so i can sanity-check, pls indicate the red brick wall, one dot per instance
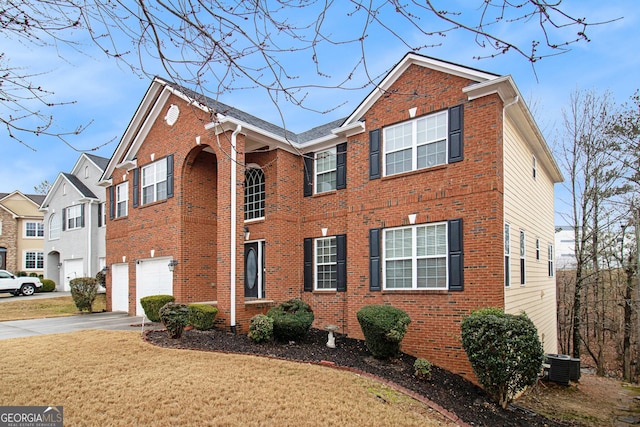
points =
(194, 226)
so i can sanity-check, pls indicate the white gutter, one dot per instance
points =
(233, 227)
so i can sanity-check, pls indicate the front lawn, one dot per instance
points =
(116, 378)
(41, 308)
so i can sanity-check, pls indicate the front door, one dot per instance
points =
(254, 270)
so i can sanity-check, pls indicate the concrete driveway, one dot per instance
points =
(54, 325)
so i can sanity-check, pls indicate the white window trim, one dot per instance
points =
(551, 262)
(125, 200)
(264, 195)
(331, 152)
(68, 217)
(24, 260)
(316, 264)
(38, 225)
(57, 229)
(103, 210)
(414, 143)
(153, 166)
(415, 257)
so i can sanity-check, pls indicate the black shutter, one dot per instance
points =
(374, 260)
(82, 215)
(341, 166)
(169, 176)
(455, 133)
(64, 219)
(308, 265)
(136, 193)
(99, 214)
(374, 154)
(308, 174)
(112, 202)
(456, 265)
(341, 252)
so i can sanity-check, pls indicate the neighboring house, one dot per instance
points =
(565, 248)
(21, 232)
(435, 196)
(75, 225)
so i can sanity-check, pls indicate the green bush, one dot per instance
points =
(291, 320)
(152, 304)
(504, 351)
(261, 328)
(84, 291)
(48, 285)
(383, 327)
(202, 316)
(21, 274)
(422, 368)
(174, 317)
(33, 274)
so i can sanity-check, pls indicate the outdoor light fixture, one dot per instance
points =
(172, 264)
(246, 233)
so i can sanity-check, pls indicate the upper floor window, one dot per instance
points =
(154, 182)
(122, 199)
(33, 229)
(326, 170)
(535, 167)
(54, 226)
(415, 257)
(33, 260)
(416, 144)
(254, 194)
(537, 249)
(74, 217)
(550, 254)
(102, 211)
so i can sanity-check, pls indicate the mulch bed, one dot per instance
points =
(450, 392)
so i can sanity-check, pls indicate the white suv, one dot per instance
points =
(18, 285)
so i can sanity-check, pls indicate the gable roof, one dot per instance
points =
(35, 198)
(80, 187)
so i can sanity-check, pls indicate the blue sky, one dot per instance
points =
(106, 94)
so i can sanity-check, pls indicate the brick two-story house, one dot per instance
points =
(435, 196)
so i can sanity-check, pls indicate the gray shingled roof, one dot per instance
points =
(101, 162)
(37, 198)
(226, 110)
(75, 181)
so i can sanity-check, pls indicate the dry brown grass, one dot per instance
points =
(115, 378)
(42, 308)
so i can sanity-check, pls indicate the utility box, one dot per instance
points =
(574, 369)
(559, 368)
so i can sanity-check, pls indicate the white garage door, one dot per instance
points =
(120, 287)
(72, 268)
(152, 278)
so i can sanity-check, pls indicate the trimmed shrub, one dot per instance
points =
(153, 303)
(422, 368)
(48, 285)
(21, 274)
(84, 291)
(291, 320)
(174, 317)
(261, 328)
(504, 350)
(202, 316)
(383, 327)
(33, 274)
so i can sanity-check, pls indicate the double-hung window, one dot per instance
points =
(417, 144)
(122, 199)
(415, 257)
(154, 182)
(550, 254)
(33, 260)
(326, 170)
(33, 229)
(326, 263)
(74, 217)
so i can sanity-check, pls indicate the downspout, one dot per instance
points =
(233, 227)
(89, 239)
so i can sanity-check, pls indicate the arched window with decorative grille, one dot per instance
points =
(253, 193)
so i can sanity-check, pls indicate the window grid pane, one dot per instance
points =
(326, 166)
(326, 263)
(154, 182)
(122, 198)
(254, 194)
